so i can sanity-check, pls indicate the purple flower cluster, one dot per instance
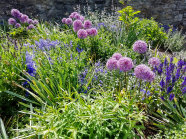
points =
(125, 64)
(46, 45)
(80, 26)
(22, 19)
(154, 62)
(118, 62)
(112, 64)
(140, 47)
(173, 73)
(143, 72)
(30, 64)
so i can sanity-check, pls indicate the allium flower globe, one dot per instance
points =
(35, 22)
(82, 34)
(154, 62)
(143, 72)
(16, 13)
(24, 18)
(30, 21)
(73, 14)
(87, 24)
(77, 25)
(63, 20)
(17, 25)
(11, 21)
(77, 16)
(125, 64)
(112, 64)
(68, 21)
(89, 33)
(140, 47)
(117, 56)
(93, 32)
(31, 26)
(82, 18)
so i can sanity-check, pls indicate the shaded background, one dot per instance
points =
(164, 11)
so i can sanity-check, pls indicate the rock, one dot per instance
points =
(164, 11)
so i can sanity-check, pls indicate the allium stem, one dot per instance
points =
(139, 86)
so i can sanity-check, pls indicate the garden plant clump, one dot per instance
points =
(91, 76)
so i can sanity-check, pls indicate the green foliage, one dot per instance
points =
(128, 16)
(19, 33)
(2, 130)
(175, 42)
(136, 29)
(149, 30)
(103, 117)
(70, 96)
(172, 134)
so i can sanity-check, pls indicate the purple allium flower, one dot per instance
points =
(87, 24)
(89, 32)
(93, 31)
(63, 20)
(169, 89)
(23, 18)
(162, 84)
(184, 90)
(73, 14)
(35, 22)
(82, 34)
(143, 72)
(31, 26)
(112, 64)
(125, 64)
(77, 16)
(17, 25)
(117, 56)
(11, 21)
(82, 18)
(171, 97)
(16, 13)
(77, 24)
(154, 61)
(68, 21)
(140, 47)
(30, 21)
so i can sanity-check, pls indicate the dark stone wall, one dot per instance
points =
(164, 11)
